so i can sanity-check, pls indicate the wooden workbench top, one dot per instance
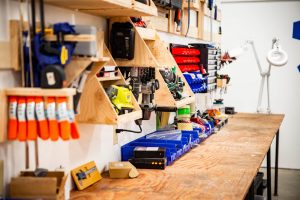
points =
(222, 167)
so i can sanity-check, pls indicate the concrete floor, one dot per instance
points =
(288, 184)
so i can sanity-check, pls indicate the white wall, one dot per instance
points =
(261, 22)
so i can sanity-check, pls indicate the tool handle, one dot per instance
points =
(166, 109)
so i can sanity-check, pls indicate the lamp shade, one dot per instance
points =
(277, 57)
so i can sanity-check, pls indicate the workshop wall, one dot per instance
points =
(261, 21)
(96, 142)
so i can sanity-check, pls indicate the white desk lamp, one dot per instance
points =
(276, 57)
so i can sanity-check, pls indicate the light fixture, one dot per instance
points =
(275, 57)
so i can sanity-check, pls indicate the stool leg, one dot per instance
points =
(269, 188)
(276, 165)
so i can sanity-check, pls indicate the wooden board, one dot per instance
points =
(40, 92)
(108, 8)
(4, 116)
(5, 55)
(222, 167)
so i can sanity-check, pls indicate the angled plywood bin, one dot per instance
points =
(151, 51)
(95, 105)
(164, 58)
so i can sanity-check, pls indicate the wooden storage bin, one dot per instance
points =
(27, 186)
(194, 4)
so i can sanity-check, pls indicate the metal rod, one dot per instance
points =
(276, 164)
(31, 35)
(261, 90)
(268, 94)
(36, 147)
(26, 155)
(22, 43)
(256, 57)
(42, 17)
(33, 17)
(269, 188)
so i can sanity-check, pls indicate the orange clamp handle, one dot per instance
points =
(13, 122)
(43, 128)
(22, 124)
(52, 121)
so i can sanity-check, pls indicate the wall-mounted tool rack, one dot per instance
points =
(25, 92)
(95, 105)
(201, 30)
(108, 8)
(151, 51)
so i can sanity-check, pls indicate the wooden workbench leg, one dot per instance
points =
(269, 188)
(276, 165)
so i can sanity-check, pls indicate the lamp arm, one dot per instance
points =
(256, 57)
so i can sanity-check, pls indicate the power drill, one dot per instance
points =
(143, 81)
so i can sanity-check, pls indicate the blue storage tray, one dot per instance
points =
(174, 148)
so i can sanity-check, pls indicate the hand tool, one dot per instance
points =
(31, 121)
(86, 175)
(22, 125)
(43, 128)
(63, 118)
(52, 121)
(13, 122)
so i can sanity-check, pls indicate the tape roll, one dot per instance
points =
(53, 76)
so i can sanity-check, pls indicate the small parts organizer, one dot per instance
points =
(32, 113)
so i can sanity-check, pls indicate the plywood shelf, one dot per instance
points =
(109, 78)
(40, 92)
(108, 8)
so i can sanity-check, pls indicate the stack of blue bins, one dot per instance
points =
(176, 143)
(196, 81)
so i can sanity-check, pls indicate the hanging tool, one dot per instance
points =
(43, 128)
(12, 122)
(120, 97)
(189, 17)
(30, 117)
(143, 81)
(79, 83)
(178, 19)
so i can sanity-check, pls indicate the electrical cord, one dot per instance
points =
(131, 131)
(189, 12)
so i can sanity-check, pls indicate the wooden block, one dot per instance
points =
(1, 179)
(15, 45)
(27, 186)
(30, 187)
(4, 116)
(5, 55)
